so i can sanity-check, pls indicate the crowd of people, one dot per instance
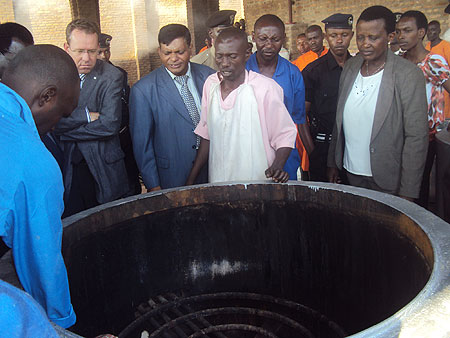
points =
(74, 135)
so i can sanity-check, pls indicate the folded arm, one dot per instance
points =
(76, 127)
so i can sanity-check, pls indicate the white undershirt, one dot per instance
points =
(359, 112)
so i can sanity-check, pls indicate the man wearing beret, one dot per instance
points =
(216, 23)
(322, 85)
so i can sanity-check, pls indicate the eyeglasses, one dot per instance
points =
(80, 52)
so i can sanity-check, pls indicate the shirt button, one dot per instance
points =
(372, 150)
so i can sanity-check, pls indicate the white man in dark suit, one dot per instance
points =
(94, 166)
(164, 111)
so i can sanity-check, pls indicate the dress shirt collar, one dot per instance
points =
(279, 70)
(173, 76)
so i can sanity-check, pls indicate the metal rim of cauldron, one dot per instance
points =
(410, 317)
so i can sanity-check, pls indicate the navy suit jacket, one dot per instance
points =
(161, 129)
(98, 141)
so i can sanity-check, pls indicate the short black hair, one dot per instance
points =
(435, 22)
(174, 31)
(421, 19)
(10, 30)
(46, 64)
(269, 18)
(379, 12)
(232, 32)
(301, 35)
(314, 28)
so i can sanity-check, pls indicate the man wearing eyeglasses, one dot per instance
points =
(94, 162)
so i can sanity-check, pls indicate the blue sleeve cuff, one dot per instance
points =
(65, 322)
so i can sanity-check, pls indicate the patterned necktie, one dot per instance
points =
(189, 102)
(82, 77)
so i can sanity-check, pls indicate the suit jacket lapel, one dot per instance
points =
(88, 85)
(385, 95)
(170, 92)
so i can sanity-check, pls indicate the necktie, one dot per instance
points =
(189, 101)
(82, 77)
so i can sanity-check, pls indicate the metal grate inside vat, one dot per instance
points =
(228, 314)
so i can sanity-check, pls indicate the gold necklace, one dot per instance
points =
(376, 70)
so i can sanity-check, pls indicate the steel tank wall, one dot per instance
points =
(354, 255)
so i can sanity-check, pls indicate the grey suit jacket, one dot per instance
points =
(399, 140)
(161, 129)
(98, 141)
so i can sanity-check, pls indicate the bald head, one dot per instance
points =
(46, 77)
(269, 20)
(43, 64)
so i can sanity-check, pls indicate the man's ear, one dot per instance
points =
(47, 95)
(248, 52)
(66, 46)
(391, 36)
(422, 33)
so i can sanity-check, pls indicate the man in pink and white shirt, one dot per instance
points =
(246, 131)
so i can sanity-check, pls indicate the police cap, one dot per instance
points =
(397, 16)
(104, 40)
(339, 20)
(221, 18)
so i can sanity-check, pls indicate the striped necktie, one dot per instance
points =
(82, 77)
(189, 101)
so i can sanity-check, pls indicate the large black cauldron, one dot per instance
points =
(327, 260)
(355, 257)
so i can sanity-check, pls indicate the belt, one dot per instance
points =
(321, 137)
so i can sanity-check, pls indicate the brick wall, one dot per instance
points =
(255, 8)
(6, 11)
(87, 9)
(237, 5)
(46, 21)
(130, 45)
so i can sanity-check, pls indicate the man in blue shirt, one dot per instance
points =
(21, 316)
(269, 35)
(39, 86)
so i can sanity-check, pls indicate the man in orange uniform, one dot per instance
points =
(314, 35)
(441, 47)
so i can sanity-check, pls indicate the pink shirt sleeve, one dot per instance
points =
(202, 127)
(281, 130)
